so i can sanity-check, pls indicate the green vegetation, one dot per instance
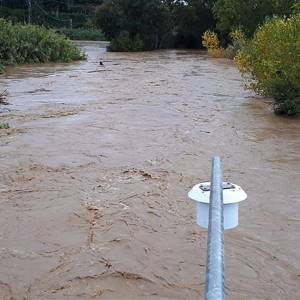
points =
(123, 42)
(4, 126)
(51, 13)
(34, 44)
(266, 46)
(1, 67)
(190, 20)
(272, 59)
(211, 42)
(248, 14)
(83, 34)
(154, 24)
(159, 23)
(133, 25)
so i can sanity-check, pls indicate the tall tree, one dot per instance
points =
(150, 19)
(193, 18)
(157, 20)
(248, 14)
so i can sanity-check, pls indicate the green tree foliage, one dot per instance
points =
(34, 44)
(110, 19)
(123, 42)
(284, 7)
(296, 7)
(248, 14)
(159, 23)
(150, 19)
(192, 19)
(273, 61)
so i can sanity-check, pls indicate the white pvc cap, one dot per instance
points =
(233, 195)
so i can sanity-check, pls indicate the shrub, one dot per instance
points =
(34, 44)
(83, 34)
(211, 41)
(272, 59)
(238, 39)
(222, 52)
(123, 42)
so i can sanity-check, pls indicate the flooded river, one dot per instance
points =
(96, 168)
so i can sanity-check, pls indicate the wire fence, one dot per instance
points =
(37, 14)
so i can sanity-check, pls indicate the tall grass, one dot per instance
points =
(34, 44)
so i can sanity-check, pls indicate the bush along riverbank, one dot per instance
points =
(272, 60)
(211, 42)
(21, 44)
(269, 61)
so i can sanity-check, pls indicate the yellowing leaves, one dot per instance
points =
(272, 60)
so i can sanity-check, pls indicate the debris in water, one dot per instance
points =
(3, 96)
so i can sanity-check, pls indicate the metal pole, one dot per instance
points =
(29, 10)
(214, 289)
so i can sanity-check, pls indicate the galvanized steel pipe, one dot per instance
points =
(214, 289)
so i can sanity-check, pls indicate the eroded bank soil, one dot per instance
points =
(95, 173)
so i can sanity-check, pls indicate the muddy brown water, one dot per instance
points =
(96, 168)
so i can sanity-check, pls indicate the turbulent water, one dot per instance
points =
(96, 168)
